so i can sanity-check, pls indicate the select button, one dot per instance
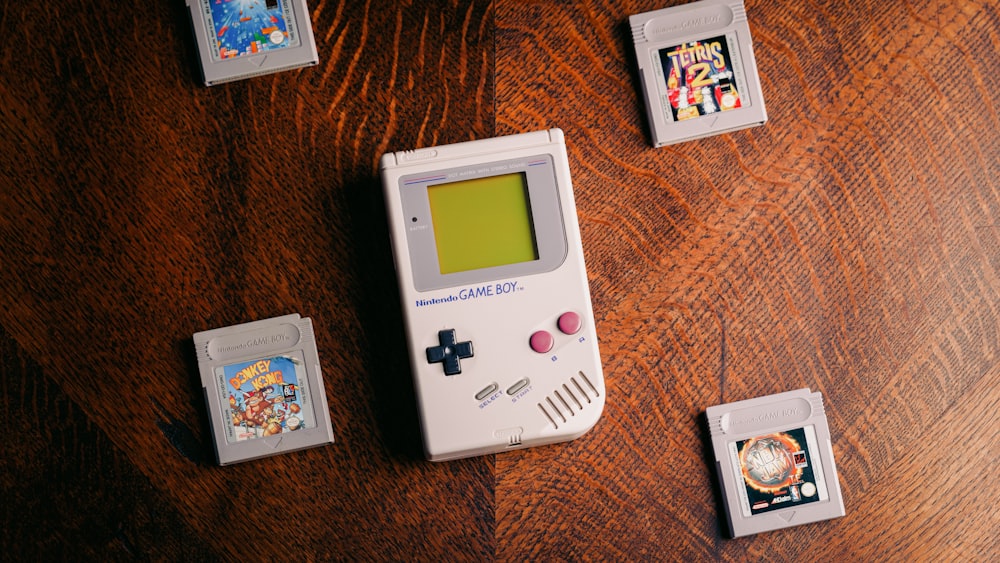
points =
(487, 392)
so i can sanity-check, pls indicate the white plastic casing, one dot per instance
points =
(507, 395)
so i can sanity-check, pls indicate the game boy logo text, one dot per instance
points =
(475, 292)
(767, 417)
(687, 24)
(268, 340)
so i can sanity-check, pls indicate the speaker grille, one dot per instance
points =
(564, 402)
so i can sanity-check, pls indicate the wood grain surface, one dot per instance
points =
(850, 245)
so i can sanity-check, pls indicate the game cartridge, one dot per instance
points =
(774, 460)
(263, 387)
(240, 39)
(697, 70)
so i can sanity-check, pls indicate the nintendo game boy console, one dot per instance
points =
(496, 302)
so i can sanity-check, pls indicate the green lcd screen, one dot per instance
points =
(482, 223)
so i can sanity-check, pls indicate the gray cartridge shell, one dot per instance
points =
(697, 70)
(774, 461)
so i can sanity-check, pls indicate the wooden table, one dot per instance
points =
(850, 245)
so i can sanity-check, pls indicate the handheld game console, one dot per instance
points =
(496, 302)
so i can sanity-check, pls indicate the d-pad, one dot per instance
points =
(450, 352)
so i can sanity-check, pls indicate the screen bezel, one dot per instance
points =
(545, 210)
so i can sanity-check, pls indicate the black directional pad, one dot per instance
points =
(450, 352)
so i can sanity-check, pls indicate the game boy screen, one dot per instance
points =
(482, 223)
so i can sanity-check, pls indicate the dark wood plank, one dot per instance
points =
(142, 207)
(71, 493)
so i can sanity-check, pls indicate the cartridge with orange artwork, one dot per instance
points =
(778, 471)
